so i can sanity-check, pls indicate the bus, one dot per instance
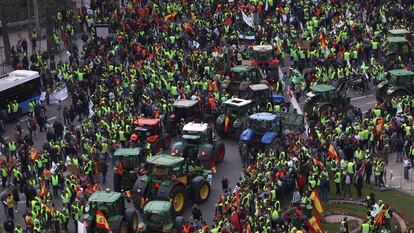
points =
(22, 86)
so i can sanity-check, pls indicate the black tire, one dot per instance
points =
(117, 183)
(120, 226)
(324, 109)
(198, 186)
(137, 200)
(284, 108)
(397, 94)
(219, 153)
(166, 141)
(175, 191)
(131, 217)
(156, 147)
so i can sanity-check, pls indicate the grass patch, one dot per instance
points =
(356, 210)
(399, 201)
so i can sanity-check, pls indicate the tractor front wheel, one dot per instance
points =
(120, 227)
(132, 220)
(178, 199)
(200, 189)
(156, 147)
(166, 142)
(220, 152)
(117, 183)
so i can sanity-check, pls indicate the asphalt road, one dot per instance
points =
(230, 168)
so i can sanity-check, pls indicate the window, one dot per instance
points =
(20, 92)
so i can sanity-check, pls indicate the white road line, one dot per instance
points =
(8, 189)
(51, 118)
(6, 138)
(361, 97)
(24, 119)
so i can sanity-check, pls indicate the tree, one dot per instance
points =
(5, 33)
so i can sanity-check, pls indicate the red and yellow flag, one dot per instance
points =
(170, 16)
(317, 162)
(226, 124)
(34, 154)
(314, 225)
(101, 221)
(323, 40)
(317, 204)
(332, 153)
(188, 28)
(379, 219)
(280, 10)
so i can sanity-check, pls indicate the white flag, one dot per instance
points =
(248, 20)
(267, 5)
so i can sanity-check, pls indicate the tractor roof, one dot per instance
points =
(259, 87)
(195, 127)
(165, 160)
(398, 31)
(237, 102)
(401, 72)
(240, 69)
(397, 39)
(185, 103)
(127, 152)
(156, 207)
(263, 116)
(262, 48)
(322, 88)
(104, 196)
(147, 121)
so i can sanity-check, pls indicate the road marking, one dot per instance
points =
(4, 192)
(361, 97)
(51, 118)
(373, 102)
(24, 119)
(6, 138)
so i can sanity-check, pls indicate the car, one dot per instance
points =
(264, 131)
(112, 206)
(398, 82)
(183, 111)
(128, 163)
(151, 131)
(174, 179)
(198, 144)
(158, 216)
(234, 118)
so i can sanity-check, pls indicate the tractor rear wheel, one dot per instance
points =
(166, 142)
(131, 217)
(138, 200)
(179, 200)
(117, 183)
(220, 152)
(120, 226)
(156, 147)
(200, 190)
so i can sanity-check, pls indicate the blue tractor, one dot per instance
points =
(264, 131)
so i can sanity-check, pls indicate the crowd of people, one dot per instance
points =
(164, 50)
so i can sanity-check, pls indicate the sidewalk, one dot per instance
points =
(395, 176)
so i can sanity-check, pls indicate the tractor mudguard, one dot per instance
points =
(177, 148)
(164, 192)
(140, 186)
(247, 135)
(268, 137)
(394, 89)
(205, 151)
(152, 138)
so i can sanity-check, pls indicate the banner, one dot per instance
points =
(248, 20)
(57, 95)
(247, 37)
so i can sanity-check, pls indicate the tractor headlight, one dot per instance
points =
(237, 123)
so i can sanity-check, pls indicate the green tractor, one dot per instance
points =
(397, 83)
(398, 50)
(240, 78)
(234, 117)
(112, 206)
(325, 98)
(171, 178)
(198, 144)
(128, 163)
(158, 217)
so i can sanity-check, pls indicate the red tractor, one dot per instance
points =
(264, 59)
(151, 131)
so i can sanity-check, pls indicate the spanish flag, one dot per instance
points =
(226, 124)
(170, 16)
(317, 162)
(280, 10)
(332, 153)
(317, 204)
(379, 219)
(188, 28)
(314, 225)
(34, 154)
(101, 221)
(323, 40)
